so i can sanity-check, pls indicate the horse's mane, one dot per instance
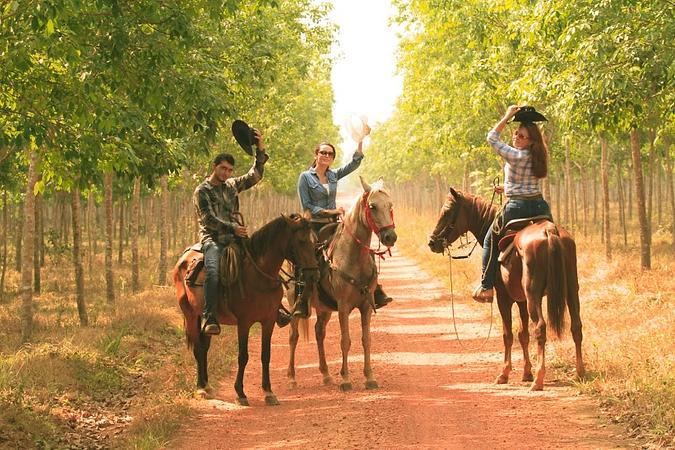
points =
(266, 235)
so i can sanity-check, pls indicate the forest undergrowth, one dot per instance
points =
(125, 381)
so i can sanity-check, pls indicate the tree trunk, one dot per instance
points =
(91, 233)
(568, 186)
(622, 203)
(120, 233)
(671, 195)
(27, 254)
(109, 278)
(18, 236)
(5, 208)
(37, 280)
(135, 210)
(650, 185)
(645, 248)
(77, 257)
(163, 230)
(604, 169)
(558, 200)
(584, 201)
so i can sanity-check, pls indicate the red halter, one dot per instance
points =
(369, 215)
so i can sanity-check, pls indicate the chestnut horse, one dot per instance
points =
(543, 262)
(257, 299)
(348, 280)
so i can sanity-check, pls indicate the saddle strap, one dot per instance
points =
(363, 288)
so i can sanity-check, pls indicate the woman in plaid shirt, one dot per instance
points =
(525, 163)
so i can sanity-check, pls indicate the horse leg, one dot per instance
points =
(242, 334)
(293, 336)
(524, 339)
(200, 351)
(366, 313)
(504, 304)
(575, 319)
(265, 356)
(345, 344)
(535, 310)
(322, 319)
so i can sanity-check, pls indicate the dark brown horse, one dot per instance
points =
(543, 262)
(283, 238)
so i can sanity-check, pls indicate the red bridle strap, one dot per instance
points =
(369, 215)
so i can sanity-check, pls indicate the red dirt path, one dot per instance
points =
(434, 393)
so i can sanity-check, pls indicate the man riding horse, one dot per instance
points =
(217, 204)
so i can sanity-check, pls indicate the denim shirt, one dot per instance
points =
(313, 196)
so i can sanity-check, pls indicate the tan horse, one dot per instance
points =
(544, 262)
(283, 238)
(348, 280)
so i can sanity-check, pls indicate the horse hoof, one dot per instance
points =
(528, 377)
(292, 384)
(328, 381)
(243, 401)
(371, 384)
(204, 394)
(344, 387)
(271, 400)
(536, 387)
(501, 379)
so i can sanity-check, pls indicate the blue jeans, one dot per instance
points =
(212, 252)
(513, 209)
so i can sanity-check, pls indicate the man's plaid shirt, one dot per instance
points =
(215, 204)
(518, 176)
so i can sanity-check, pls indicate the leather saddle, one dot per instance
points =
(511, 229)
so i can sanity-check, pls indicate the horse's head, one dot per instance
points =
(301, 248)
(451, 224)
(379, 211)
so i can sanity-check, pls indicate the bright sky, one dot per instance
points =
(363, 76)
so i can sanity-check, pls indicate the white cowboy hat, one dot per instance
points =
(356, 127)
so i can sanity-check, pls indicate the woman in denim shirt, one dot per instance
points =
(317, 189)
(525, 163)
(317, 186)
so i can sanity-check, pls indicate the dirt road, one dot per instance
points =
(434, 393)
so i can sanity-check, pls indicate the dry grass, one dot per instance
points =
(629, 325)
(123, 381)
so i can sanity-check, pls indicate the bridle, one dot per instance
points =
(372, 225)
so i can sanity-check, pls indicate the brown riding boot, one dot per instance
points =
(381, 298)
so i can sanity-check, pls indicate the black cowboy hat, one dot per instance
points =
(244, 135)
(529, 114)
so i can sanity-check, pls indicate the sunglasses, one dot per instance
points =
(325, 153)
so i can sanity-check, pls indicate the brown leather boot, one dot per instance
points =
(381, 298)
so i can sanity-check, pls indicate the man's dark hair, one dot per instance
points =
(223, 157)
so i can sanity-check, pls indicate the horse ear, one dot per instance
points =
(366, 186)
(289, 220)
(453, 192)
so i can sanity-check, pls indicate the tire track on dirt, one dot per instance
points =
(434, 392)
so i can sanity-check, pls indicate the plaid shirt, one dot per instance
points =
(215, 204)
(518, 176)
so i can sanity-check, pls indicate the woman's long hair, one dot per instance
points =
(318, 147)
(538, 149)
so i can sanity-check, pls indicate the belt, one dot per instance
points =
(525, 197)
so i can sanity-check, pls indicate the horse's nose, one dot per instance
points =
(435, 246)
(388, 237)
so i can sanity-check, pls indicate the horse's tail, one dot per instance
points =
(303, 329)
(190, 327)
(556, 280)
